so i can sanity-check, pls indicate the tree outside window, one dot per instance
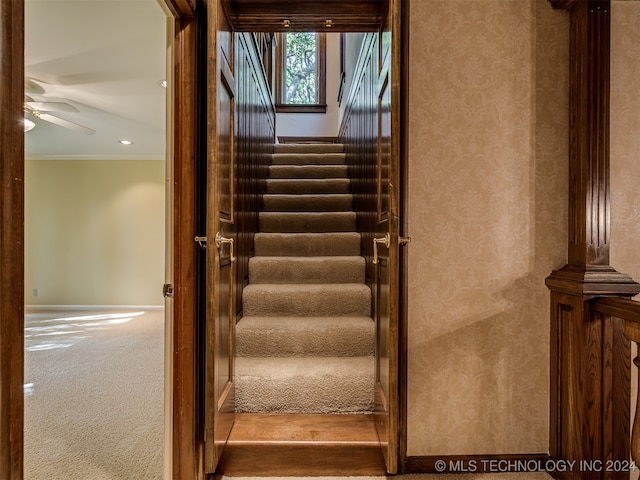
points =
(301, 72)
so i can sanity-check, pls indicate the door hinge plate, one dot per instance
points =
(167, 290)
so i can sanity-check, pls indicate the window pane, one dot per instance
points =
(300, 69)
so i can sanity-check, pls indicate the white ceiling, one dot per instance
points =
(106, 58)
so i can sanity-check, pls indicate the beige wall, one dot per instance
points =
(487, 214)
(625, 137)
(94, 232)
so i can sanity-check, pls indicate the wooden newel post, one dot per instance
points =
(588, 350)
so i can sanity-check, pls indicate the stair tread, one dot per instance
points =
(321, 429)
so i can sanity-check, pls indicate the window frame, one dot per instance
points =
(321, 68)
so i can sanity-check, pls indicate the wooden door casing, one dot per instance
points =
(11, 239)
(220, 273)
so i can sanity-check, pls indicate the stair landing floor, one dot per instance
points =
(302, 444)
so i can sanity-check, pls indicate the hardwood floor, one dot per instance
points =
(302, 445)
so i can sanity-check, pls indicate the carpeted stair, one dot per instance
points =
(306, 341)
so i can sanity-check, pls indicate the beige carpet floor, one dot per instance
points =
(94, 395)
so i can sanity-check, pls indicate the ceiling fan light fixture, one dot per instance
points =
(125, 142)
(28, 125)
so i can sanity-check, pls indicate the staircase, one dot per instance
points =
(306, 342)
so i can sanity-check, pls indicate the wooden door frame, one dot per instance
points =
(11, 239)
(186, 441)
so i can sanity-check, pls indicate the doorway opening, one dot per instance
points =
(281, 304)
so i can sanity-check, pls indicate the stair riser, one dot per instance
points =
(294, 270)
(307, 245)
(294, 396)
(301, 222)
(308, 159)
(308, 186)
(318, 148)
(282, 386)
(270, 303)
(276, 222)
(335, 342)
(308, 171)
(307, 203)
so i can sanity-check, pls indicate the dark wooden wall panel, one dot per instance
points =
(255, 136)
(359, 133)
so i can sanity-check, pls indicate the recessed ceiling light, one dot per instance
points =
(163, 83)
(125, 142)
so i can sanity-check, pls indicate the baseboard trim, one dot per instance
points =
(506, 463)
(91, 307)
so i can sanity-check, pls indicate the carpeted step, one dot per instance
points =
(308, 185)
(329, 269)
(308, 171)
(307, 244)
(308, 148)
(305, 336)
(311, 300)
(308, 159)
(305, 384)
(297, 222)
(309, 203)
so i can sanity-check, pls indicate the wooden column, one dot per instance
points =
(587, 348)
(11, 238)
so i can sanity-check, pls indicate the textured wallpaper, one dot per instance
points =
(487, 214)
(625, 137)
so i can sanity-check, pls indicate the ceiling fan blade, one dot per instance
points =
(64, 123)
(32, 87)
(52, 107)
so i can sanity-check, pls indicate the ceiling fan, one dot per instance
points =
(41, 110)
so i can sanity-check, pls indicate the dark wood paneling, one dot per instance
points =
(359, 133)
(11, 238)
(255, 136)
